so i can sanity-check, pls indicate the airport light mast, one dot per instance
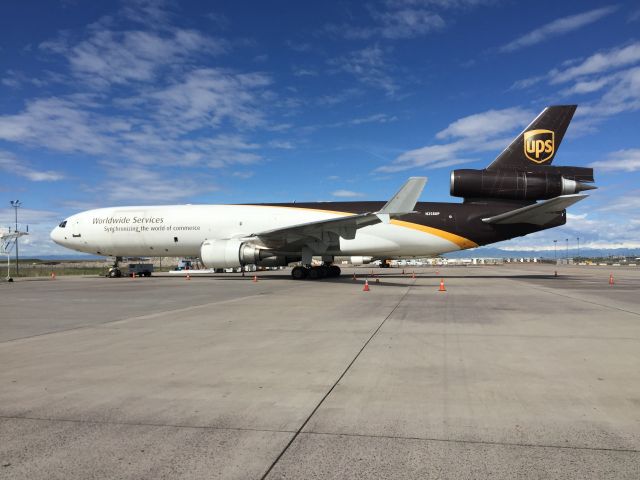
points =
(555, 250)
(567, 251)
(578, 239)
(16, 204)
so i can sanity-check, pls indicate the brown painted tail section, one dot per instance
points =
(538, 144)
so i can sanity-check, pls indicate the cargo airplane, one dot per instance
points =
(517, 194)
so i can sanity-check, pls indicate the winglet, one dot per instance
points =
(404, 201)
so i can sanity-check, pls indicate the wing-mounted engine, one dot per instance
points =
(236, 252)
(514, 184)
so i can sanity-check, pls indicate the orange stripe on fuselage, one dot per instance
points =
(462, 242)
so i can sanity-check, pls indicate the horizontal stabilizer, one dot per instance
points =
(538, 213)
(405, 200)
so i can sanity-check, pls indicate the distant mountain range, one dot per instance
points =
(492, 252)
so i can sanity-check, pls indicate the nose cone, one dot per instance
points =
(56, 235)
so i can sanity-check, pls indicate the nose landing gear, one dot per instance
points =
(114, 271)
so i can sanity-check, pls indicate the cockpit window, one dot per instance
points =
(63, 224)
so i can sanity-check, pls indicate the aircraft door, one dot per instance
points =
(75, 228)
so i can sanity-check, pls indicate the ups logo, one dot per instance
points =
(539, 145)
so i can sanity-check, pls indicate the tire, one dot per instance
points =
(299, 273)
(114, 273)
(314, 273)
(334, 271)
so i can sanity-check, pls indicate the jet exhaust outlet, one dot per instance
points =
(520, 185)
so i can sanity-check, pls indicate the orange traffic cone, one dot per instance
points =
(611, 282)
(413, 275)
(188, 275)
(255, 278)
(366, 286)
(53, 275)
(442, 289)
(133, 276)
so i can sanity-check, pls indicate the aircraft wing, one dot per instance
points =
(538, 213)
(329, 231)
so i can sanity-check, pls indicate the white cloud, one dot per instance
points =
(208, 97)
(346, 194)
(558, 27)
(626, 160)
(281, 144)
(304, 72)
(151, 184)
(622, 95)
(487, 124)
(612, 77)
(118, 57)
(112, 54)
(12, 165)
(375, 118)
(402, 19)
(599, 63)
(243, 174)
(340, 97)
(407, 23)
(59, 124)
(475, 133)
(368, 66)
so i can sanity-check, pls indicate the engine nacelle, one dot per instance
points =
(232, 253)
(360, 260)
(513, 184)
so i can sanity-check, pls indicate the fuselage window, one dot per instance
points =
(63, 224)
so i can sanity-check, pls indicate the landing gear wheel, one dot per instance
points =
(324, 271)
(114, 273)
(314, 273)
(299, 273)
(334, 271)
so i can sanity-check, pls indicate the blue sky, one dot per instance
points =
(151, 102)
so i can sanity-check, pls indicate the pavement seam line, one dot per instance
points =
(472, 442)
(326, 395)
(137, 317)
(582, 300)
(144, 424)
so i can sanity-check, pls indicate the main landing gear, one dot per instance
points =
(315, 273)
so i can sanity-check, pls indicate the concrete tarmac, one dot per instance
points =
(511, 373)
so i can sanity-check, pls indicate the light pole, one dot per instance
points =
(555, 250)
(567, 251)
(578, 238)
(16, 204)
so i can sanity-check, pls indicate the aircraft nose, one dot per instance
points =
(56, 236)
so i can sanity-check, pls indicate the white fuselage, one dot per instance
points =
(180, 230)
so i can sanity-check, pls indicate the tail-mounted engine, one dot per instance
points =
(533, 184)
